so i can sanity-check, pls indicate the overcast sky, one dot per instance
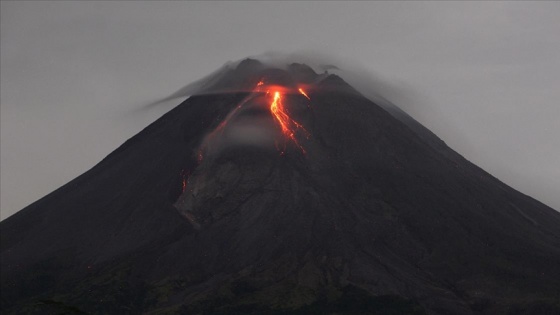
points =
(484, 76)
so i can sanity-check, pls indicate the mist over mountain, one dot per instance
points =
(281, 189)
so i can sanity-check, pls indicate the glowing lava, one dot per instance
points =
(302, 92)
(287, 124)
(274, 97)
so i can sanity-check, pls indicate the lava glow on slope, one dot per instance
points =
(288, 126)
(272, 96)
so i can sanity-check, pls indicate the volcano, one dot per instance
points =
(280, 190)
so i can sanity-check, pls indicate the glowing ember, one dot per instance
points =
(302, 92)
(185, 175)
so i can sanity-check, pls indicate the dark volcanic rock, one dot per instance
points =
(376, 217)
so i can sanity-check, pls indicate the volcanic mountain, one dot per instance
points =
(278, 190)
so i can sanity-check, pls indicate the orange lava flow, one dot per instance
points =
(287, 124)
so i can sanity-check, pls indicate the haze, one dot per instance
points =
(483, 76)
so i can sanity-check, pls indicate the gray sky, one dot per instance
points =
(484, 76)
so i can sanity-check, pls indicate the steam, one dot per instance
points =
(198, 87)
(371, 85)
(256, 132)
(234, 131)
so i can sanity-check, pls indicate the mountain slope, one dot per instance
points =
(215, 209)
